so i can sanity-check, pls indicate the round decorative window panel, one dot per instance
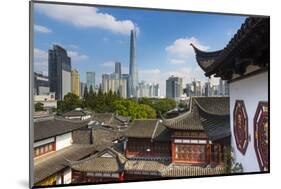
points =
(261, 135)
(240, 126)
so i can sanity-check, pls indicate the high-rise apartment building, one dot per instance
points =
(75, 82)
(59, 71)
(174, 87)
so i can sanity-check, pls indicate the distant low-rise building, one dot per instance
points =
(48, 100)
(41, 84)
(77, 114)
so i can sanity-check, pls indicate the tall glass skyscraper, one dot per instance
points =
(133, 72)
(59, 71)
(118, 69)
(91, 79)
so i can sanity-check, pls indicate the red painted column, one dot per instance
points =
(121, 177)
(173, 151)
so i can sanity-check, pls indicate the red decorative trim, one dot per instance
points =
(261, 129)
(240, 126)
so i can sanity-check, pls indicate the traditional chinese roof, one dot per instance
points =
(49, 128)
(49, 164)
(208, 114)
(183, 170)
(106, 161)
(76, 112)
(110, 119)
(145, 166)
(249, 46)
(103, 137)
(148, 128)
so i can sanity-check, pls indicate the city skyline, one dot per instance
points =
(161, 51)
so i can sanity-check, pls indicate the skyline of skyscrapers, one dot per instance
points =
(125, 84)
(59, 70)
(133, 70)
(148, 90)
(75, 82)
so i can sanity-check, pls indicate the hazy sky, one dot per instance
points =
(95, 37)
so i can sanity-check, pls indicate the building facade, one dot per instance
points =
(244, 64)
(75, 82)
(41, 84)
(91, 79)
(59, 71)
(174, 87)
(118, 69)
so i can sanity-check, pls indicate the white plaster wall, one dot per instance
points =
(251, 90)
(58, 181)
(67, 176)
(63, 141)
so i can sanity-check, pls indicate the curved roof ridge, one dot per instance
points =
(115, 153)
(206, 111)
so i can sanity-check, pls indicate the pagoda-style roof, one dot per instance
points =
(207, 114)
(107, 161)
(111, 119)
(149, 166)
(56, 126)
(183, 170)
(51, 163)
(149, 129)
(249, 46)
(76, 112)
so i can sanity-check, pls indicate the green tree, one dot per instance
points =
(39, 106)
(91, 91)
(128, 107)
(85, 92)
(69, 102)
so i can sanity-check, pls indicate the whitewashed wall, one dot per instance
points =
(67, 176)
(251, 90)
(63, 141)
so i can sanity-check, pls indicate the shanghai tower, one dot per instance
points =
(133, 72)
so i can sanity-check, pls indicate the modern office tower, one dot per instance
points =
(223, 88)
(59, 71)
(41, 84)
(118, 69)
(75, 82)
(188, 90)
(156, 90)
(133, 71)
(208, 89)
(174, 87)
(196, 88)
(126, 78)
(91, 79)
(82, 88)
